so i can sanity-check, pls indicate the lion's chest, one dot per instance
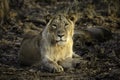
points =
(59, 53)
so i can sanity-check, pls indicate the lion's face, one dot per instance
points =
(60, 30)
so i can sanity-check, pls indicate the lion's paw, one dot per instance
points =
(57, 68)
(50, 67)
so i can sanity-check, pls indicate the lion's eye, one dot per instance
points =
(66, 25)
(54, 26)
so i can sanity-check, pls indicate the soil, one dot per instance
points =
(101, 60)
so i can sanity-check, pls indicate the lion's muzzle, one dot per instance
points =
(61, 39)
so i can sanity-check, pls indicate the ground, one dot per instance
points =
(101, 60)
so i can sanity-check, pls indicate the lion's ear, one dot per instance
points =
(73, 17)
(48, 17)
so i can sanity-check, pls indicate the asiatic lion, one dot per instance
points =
(53, 47)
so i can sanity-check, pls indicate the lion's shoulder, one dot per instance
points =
(30, 34)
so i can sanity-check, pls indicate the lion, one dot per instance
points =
(53, 47)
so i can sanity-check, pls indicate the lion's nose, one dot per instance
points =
(60, 35)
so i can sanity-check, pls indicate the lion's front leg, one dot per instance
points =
(70, 63)
(51, 66)
(66, 64)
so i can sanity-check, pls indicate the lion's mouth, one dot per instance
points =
(60, 40)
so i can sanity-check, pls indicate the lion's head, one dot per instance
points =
(60, 29)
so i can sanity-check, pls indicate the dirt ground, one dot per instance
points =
(101, 60)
